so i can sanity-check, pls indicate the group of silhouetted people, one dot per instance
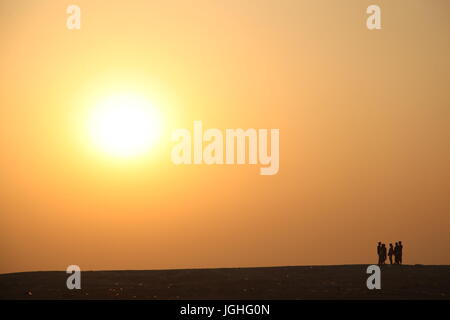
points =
(396, 252)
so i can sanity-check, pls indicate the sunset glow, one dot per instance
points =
(125, 125)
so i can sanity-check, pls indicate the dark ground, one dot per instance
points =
(316, 282)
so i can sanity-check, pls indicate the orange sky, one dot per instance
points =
(364, 119)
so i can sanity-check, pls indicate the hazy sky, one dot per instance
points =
(364, 119)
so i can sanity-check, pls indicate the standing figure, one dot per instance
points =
(383, 253)
(396, 253)
(391, 252)
(379, 252)
(400, 252)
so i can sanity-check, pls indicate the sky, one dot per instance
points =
(364, 120)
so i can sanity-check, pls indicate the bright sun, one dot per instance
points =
(125, 125)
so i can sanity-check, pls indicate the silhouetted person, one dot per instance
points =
(400, 252)
(396, 249)
(383, 253)
(391, 252)
(379, 252)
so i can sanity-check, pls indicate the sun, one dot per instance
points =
(125, 125)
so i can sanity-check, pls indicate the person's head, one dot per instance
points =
(379, 243)
(390, 244)
(399, 242)
(396, 243)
